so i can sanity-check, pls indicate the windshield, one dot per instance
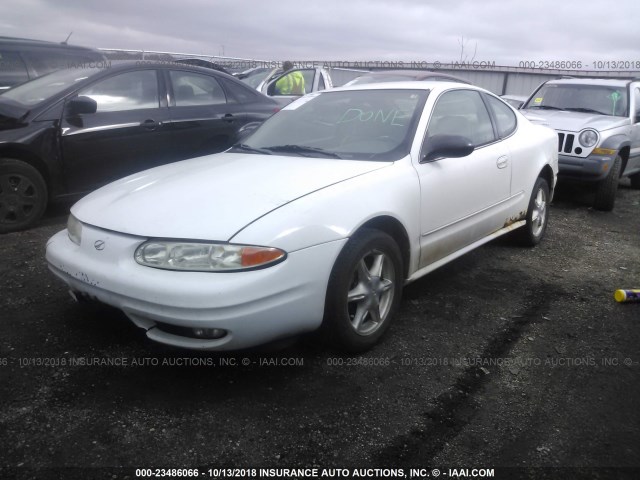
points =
(599, 99)
(38, 90)
(254, 78)
(355, 125)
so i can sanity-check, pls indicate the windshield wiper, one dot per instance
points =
(247, 148)
(302, 149)
(546, 107)
(585, 110)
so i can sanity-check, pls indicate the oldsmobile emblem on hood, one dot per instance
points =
(99, 244)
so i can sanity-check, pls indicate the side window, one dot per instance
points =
(127, 91)
(192, 89)
(239, 93)
(12, 70)
(461, 112)
(505, 118)
(637, 100)
(308, 80)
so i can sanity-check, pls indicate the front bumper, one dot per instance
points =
(254, 307)
(590, 169)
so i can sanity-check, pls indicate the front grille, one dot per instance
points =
(565, 142)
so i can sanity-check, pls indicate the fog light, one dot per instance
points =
(209, 333)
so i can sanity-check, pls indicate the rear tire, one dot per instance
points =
(23, 195)
(606, 190)
(537, 215)
(364, 291)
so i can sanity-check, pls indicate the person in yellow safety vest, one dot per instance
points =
(291, 84)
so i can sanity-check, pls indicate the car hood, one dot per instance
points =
(574, 121)
(11, 115)
(211, 197)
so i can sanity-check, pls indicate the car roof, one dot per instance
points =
(27, 42)
(121, 65)
(417, 74)
(411, 85)
(514, 97)
(590, 81)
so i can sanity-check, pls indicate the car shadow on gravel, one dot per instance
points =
(570, 195)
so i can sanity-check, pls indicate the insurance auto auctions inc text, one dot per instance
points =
(351, 473)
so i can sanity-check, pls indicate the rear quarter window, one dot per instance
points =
(505, 118)
(239, 93)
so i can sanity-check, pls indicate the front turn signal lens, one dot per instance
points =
(256, 256)
(604, 151)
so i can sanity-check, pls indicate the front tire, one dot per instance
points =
(537, 215)
(23, 195)
(364, 291)
(606, 190)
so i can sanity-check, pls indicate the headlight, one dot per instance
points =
(206, 257)
(74, 228)
(588, 138)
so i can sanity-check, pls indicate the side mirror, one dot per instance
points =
(447, 146)
(81, 105)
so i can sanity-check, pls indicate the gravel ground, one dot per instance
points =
(512, 359)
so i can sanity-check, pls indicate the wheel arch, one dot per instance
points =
(394, 228)
(547, 174)
(624, 154)
(621, 144)
(17, 153)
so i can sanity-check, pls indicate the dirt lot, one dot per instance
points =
(512, 359)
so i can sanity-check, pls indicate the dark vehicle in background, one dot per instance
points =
(258, 77)
(516, 101)
(74, 130)
(199, 62)
(405, 76)
(22, 59)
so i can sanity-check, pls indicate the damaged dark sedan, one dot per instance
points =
(76, 129)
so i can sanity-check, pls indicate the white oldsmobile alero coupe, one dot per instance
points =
(316, 220)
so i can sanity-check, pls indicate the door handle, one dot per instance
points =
(150, 124)
(502, 162)
(228, 118)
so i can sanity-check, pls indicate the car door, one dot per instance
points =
(634, 153)
(125, 135)
(461, 198)
(311, 79)
(203, 121)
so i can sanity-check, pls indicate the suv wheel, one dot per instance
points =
(635, 180)
(607, 188)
